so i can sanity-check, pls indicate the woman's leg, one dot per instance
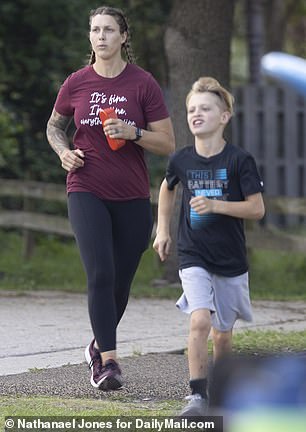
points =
(111, 240)
(132, 227)
(92, 226)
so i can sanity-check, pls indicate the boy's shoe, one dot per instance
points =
(93, 358)
(110, 377)
(196, 407)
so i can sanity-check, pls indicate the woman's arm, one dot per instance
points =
(158, 138)
(58, 140)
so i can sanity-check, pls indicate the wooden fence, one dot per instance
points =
(30, 219)
(267, 237)
(270, 122)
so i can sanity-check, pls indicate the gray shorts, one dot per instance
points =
(227, 298)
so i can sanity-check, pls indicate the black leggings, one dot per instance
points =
(111, 237)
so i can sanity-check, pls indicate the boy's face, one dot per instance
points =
(206, 115)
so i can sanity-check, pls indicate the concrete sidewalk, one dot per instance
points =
(51, 329)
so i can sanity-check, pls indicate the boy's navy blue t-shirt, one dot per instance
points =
(215, 242)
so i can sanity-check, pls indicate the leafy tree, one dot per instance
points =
(41, 43)
(148, 23)
(9, 128)
(39, 48)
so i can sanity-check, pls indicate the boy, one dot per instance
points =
(221, 187)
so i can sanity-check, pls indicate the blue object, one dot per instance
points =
(277, 382)
(288, 69)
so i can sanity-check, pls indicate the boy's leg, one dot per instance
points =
(200, 326)
(197, 343)
(231, 301)
(197, 300)
(222, 343)
(199, 330)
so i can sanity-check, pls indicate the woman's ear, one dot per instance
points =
(123, 38)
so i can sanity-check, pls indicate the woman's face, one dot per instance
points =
(105, 37)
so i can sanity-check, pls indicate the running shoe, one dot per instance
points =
(196, 407)
(94, 361)
(111, 377)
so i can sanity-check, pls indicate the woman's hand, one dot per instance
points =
(117, 128)
(72, 159)
(157, 138)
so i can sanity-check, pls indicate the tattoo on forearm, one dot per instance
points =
(56, 132)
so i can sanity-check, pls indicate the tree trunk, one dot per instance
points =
(275, 25)
(197, 43)
(277, 15)
(255, 33)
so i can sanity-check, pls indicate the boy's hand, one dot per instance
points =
(161, 245)
(202, 205)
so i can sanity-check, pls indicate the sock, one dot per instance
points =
(199, 386)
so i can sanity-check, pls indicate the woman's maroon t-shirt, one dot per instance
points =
(138, 100)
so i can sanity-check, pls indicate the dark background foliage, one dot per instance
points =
(41, 43)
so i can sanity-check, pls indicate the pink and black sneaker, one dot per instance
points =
(111, 377)
(93, 358)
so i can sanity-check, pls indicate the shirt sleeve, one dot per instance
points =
(154, 104)
(63, 101)
(171, 176)
(250, 180)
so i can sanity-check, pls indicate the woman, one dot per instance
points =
(108, 191)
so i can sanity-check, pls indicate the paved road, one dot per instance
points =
(50, 329)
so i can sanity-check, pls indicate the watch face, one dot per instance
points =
(138, 133)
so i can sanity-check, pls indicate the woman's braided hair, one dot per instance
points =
(121, 20)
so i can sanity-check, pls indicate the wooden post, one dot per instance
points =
(255, 30)
(28, 235)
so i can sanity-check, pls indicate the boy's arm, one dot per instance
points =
(166, 203)
(252, 208)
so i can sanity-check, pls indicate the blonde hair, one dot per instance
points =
(211, 85)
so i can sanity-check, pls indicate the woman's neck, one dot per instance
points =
(109, 69)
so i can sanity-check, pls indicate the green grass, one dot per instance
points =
(55, 406)
(55, 265)
(269, 341)
(277, 275)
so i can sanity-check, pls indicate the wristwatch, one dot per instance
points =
(138, 132)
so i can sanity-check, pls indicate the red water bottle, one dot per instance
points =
(104, 114)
